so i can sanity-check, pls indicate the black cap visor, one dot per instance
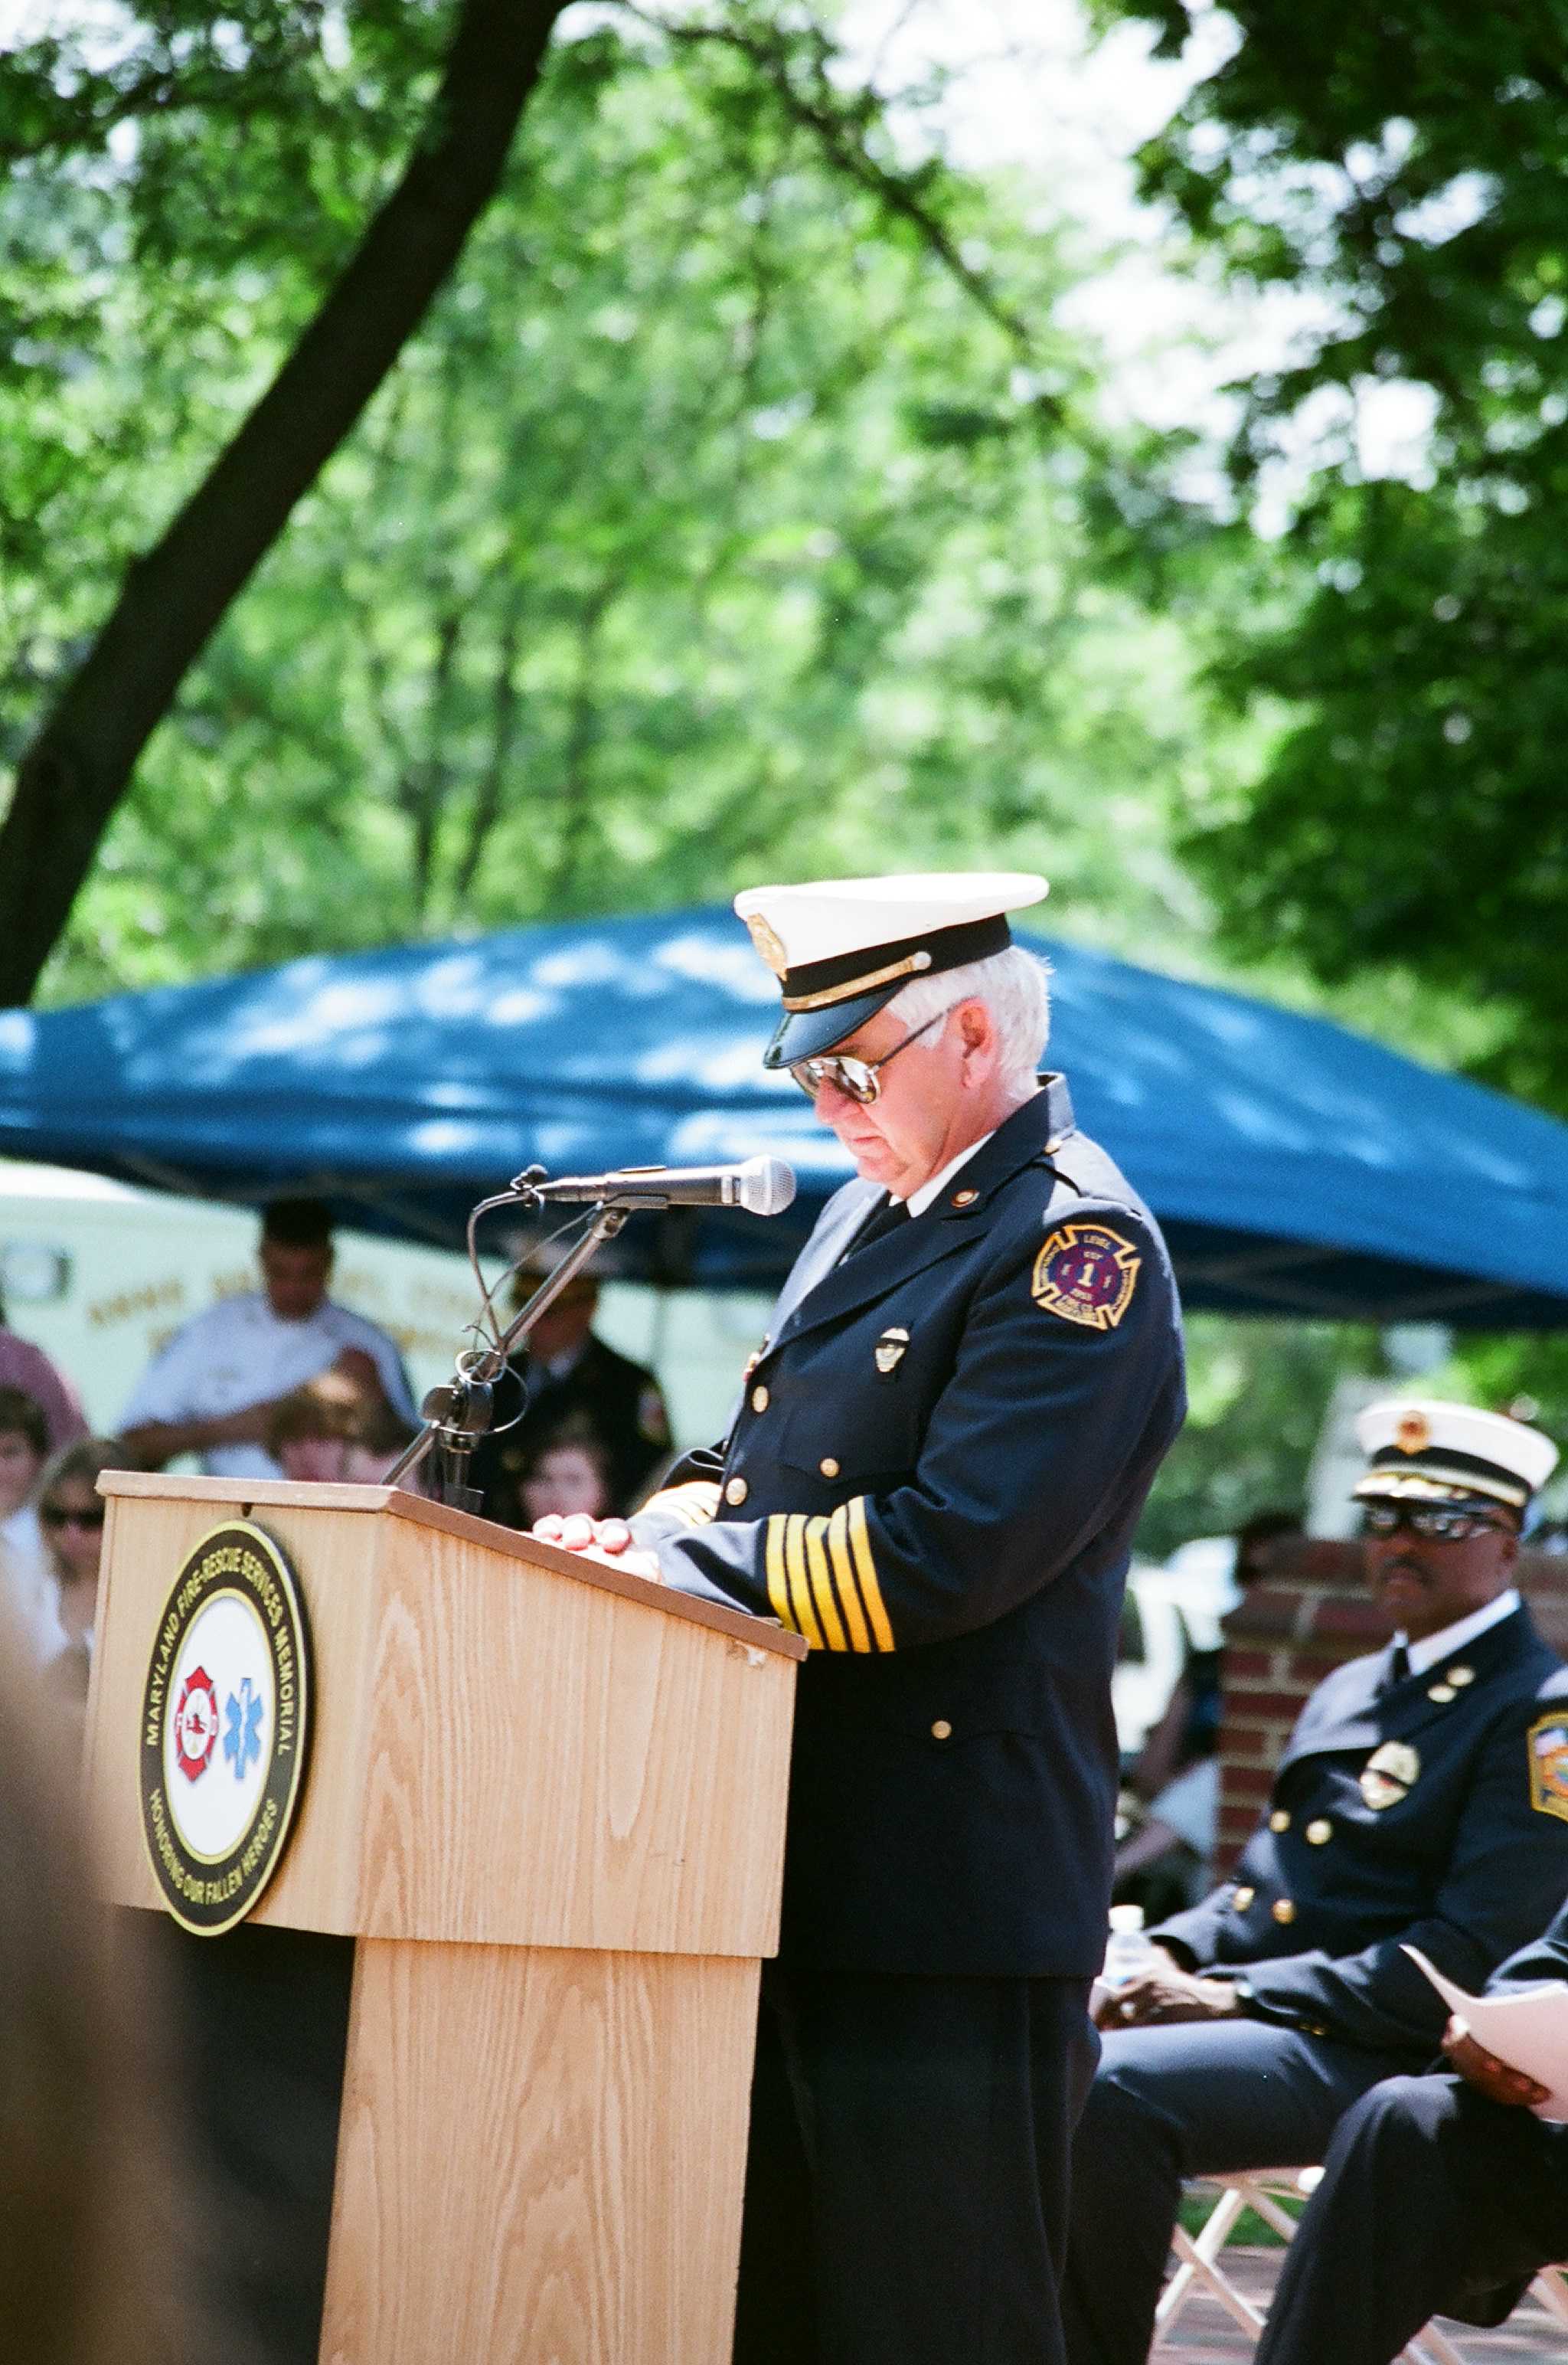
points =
(806, 1034)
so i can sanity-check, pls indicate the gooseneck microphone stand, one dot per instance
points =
(457, 1414)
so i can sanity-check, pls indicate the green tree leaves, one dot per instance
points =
(1405, 172)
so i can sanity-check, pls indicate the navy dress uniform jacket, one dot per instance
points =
(1417, 1813)
(935, 1474)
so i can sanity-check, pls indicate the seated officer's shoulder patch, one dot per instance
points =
(1086, 1274)
(1549, 1764)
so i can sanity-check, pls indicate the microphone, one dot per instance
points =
(763, 1186)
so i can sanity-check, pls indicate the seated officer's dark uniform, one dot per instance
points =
(1403, 1810)
(618, 1399)
(1436, 2201)
(933, 1475)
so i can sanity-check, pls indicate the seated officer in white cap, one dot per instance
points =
(1409, 1807)
(934, 1474)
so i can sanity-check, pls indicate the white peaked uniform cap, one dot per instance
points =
(841, 949)
(1423, 1449)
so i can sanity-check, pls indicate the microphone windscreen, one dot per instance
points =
(765, 1186)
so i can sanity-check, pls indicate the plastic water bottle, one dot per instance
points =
(1129, 1952)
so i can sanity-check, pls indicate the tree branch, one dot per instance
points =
(172, 599)
(819, 107)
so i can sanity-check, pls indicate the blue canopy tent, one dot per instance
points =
(1297, 1169)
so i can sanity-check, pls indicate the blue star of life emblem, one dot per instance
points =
(242, 1738)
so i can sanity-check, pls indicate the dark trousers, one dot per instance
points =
(906, 2183)
(1435, 2202)
(1192, 2100)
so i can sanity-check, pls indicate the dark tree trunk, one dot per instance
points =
(79, 766)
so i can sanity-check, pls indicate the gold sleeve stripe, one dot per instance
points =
(822, 1585)
(695, 1502)
(866, 1569)
(805, 1618)
(778, 1589)
(848, 1591)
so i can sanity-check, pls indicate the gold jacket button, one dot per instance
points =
(759, 1399)
(736, 1491)
(1282, 1910)
(1279, 1821)
(1243, 1898)
(965, 1198)
(1442, 1692)
(828, 1466)
(941, 1729)
(1319, 1832)
(1461, 1675)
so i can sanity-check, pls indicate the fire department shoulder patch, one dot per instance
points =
(1086, 1274)
(1549, 1765)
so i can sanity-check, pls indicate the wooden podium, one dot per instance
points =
(545, 1800)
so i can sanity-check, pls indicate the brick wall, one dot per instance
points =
(1306, 1613)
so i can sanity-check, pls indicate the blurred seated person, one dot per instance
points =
(1173, 1790)
(24, 1449)
(569, 1471)
(570, 1373)
(25, 1366)
(71, 1516)
(332, 1430)
(1443, 2195)
(213, 1389)
(1412, 1804)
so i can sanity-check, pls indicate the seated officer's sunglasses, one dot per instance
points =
(857, 1080)
(1438, 1527)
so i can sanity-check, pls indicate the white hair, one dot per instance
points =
(1012, 984)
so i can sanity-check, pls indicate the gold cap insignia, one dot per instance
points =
(769, 943)
(1412, 1433)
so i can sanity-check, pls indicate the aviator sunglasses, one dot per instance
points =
(1438, 1527)
(857, 1080)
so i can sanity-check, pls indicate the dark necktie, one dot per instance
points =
(878, 1223)
(1398, 1668)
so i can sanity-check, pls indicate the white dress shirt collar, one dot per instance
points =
(1450, 1639)
(918, 1201)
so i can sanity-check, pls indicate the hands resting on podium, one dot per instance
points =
(606, 1539)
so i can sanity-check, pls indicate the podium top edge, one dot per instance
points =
(245, 1495)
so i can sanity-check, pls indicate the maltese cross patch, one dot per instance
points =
(1086, 1274)
(1549, 1766)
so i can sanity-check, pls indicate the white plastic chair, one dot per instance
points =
(1199, 2255)
(1263, 2190)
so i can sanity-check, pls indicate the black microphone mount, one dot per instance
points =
(462, 1410)
(458, 1413)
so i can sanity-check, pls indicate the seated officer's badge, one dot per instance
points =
(1389, 1773)
(1087, 1273)
(889, 1352)
(1549, 1766)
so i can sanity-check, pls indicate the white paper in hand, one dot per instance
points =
(1528, 2030)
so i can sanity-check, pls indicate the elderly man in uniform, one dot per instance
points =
(1412, 1807)
(933, 1475)
(1443, 2195)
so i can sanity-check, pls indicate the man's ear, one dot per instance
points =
(977, 1029)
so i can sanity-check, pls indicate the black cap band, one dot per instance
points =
(817, 985)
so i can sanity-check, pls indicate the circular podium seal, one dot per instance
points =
(225, 1727)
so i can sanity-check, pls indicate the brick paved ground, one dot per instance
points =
(1204, 2335)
